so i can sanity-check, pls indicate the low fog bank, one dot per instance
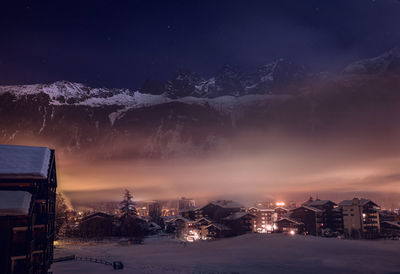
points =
(254, 167)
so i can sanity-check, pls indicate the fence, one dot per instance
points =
(116, 265)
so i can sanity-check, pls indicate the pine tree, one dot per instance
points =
(128, 206)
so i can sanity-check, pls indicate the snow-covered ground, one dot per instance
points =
(252, 253)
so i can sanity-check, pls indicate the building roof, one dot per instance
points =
(310, 208)
(227, 204)
(396, 224)
(262, 209)
(320, 203)
(176, 218)
(154, 226)
(205, 219)
(97, 215)
(237, 215)
(24, 162)
(362, 202)
(290, 220)
(14, 203)
(282, 208)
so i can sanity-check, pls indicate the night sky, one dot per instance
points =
(121, 43)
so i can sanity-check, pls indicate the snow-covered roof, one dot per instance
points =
(154, 226)
(24, 162)
(396, 224)
(290, 220)
(281, 208)
(14, 203)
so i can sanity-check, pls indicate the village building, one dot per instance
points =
(289, 226)
(201, 225)
(280, 212)
(191, 213)
(266, 218)
(179, 225)
(311, 217)
(360, 218)
(216, 231)
(239, 222)
(332, 217)
(186, 203)
(155, 209)
(28, 184)
(97, 225)
(203, 222)
(220, 209)
(390, 229)
(387, 215)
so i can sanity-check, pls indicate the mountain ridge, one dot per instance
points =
(72, 116)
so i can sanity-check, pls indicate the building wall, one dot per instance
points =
(352, 220)
(311, 219)
(370, 222)
(264, 220)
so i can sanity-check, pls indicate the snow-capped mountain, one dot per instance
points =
(77, 116)
(386, 62)
(192, 115)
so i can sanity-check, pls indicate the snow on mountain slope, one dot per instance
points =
(68, 93)
(62, 92)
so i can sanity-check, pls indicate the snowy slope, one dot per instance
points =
(252, 253)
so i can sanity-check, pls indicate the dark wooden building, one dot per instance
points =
(288, 225)
(240, 222)
(311, 217)
(332, 217)
(390, 229)
(28, 184)
(97, 225)
(217, 231)
(191, 213)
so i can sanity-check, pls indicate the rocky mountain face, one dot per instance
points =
(230, 81)
(191, 115)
